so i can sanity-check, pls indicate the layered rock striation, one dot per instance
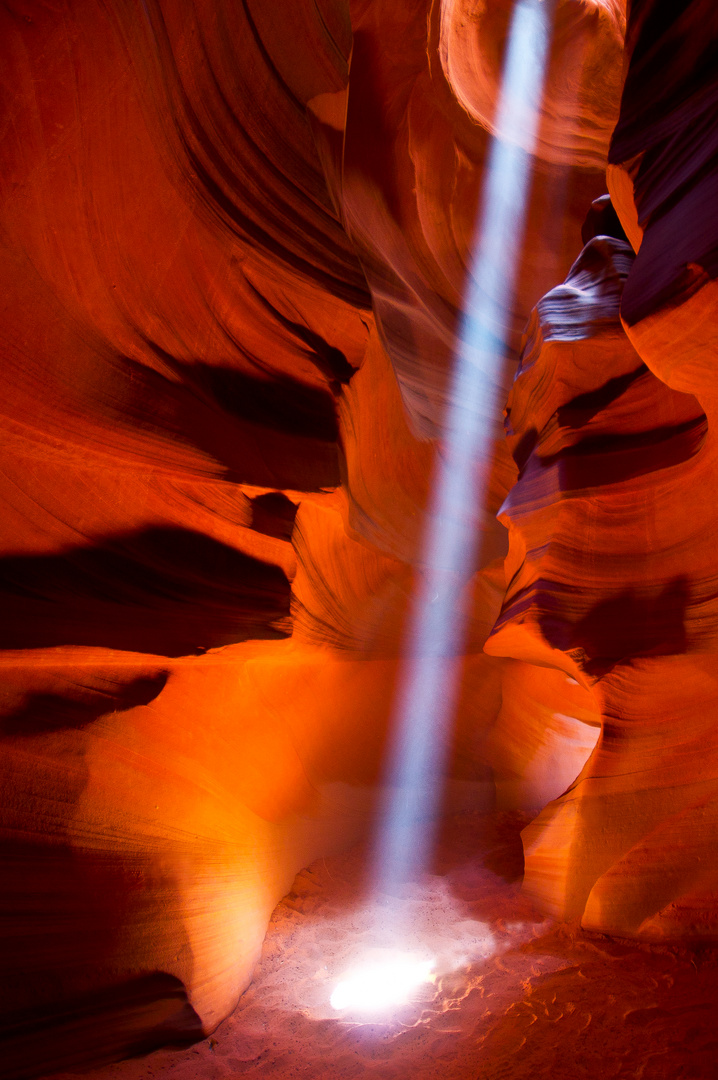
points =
(236, 256)
(611, 575)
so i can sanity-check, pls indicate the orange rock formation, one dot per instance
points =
(235, 259)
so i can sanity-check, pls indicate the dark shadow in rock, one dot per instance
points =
(165, 591)
(279, 404)
(94, 1029)
(611, 458)
(273, 514)
(505, 857)
(602, 220)
(331, 361)
(266, 429)
(42, 713)
(493, 841)
(577, 412)
(524, 448)
(369, 146)
(633, 623)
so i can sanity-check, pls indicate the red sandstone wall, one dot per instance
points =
(612, 560)
(235, 258)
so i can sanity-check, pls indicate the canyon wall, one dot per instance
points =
(612, 564)
(237, 251)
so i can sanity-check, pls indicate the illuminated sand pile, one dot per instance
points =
(514, 994)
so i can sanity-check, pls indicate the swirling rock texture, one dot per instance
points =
(236, 251)
(414, 152)
(613, 516)
(608, 452)
(184, 321)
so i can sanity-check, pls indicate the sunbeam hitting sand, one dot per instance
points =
(512, 996)
(384, 979)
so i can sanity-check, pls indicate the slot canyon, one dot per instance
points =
(239, 267)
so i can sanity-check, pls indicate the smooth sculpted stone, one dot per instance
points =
(182, 311)
(414, 158)
(612, 580)
(580, 100)
(211, 502)
(663, 173)
(237, 251)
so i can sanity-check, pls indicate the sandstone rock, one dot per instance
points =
(236, 258)
(610, 500)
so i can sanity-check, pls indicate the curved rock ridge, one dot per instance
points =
(579, 105)
(545, 730)
(236, 257)
(612, 580)
(410, 188)
(212, 501)
(181, 310)
(664, 157)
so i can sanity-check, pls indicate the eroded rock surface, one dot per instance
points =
(184, 318)
(611, 499)
(236, 251)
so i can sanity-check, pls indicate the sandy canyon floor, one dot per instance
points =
(514, 996)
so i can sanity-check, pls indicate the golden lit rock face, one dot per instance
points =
(181, 310)
(235, 259)
(185, 321)
(413, 161)
(581, 97)
(614, 467)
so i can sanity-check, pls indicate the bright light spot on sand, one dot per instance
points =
(382, 984)
(428, 683)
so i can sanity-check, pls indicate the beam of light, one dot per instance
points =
(428, 682)
(427, 689)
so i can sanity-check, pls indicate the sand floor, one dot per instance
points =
(515, 996)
